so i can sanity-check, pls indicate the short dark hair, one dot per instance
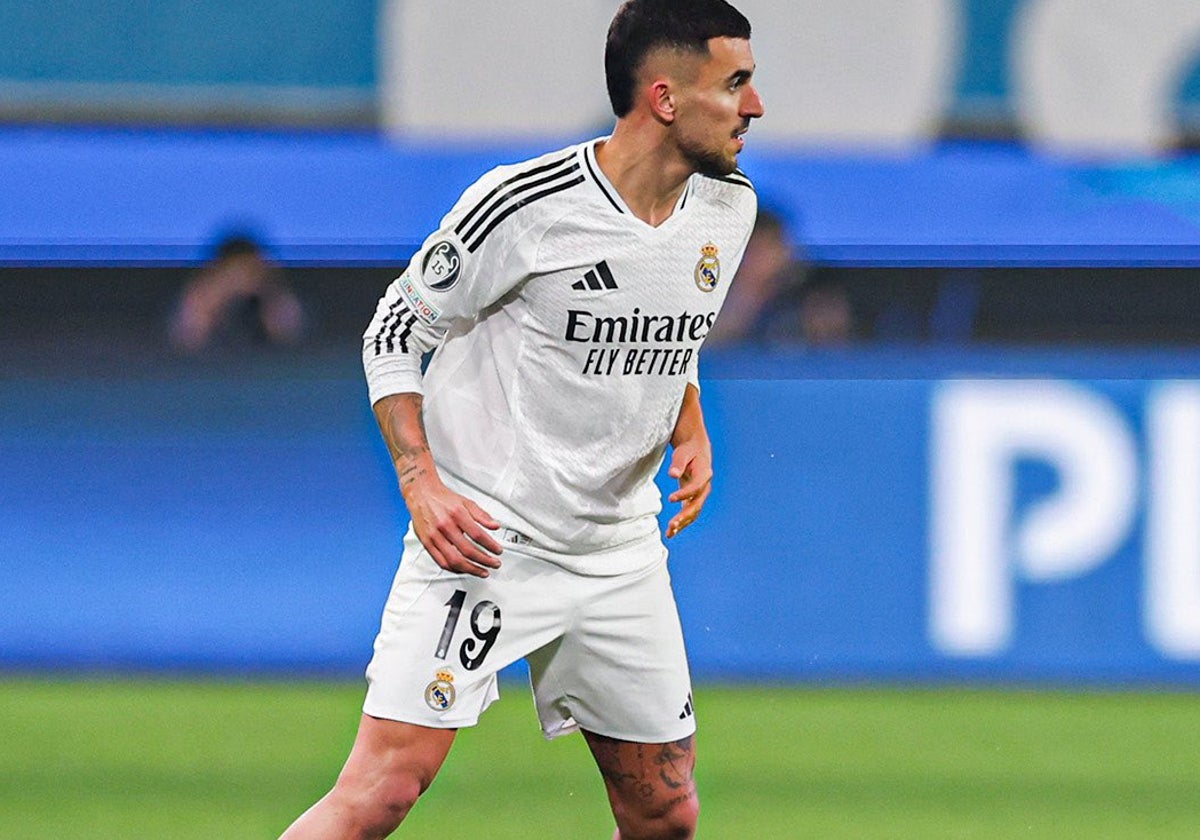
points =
(644, 25)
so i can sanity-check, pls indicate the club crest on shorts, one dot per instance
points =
(440, 694)
(441, 266)
(708, 270)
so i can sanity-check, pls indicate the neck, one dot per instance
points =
(646, 170)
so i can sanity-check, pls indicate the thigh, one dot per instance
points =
(444, 637)
(388, 752)
(645, 781)
(390, 766)
(621, 670)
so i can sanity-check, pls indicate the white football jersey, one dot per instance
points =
(566, 330)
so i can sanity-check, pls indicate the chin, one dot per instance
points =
(715, 166)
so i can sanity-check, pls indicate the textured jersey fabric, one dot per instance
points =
(565, 331)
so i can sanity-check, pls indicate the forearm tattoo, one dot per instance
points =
(406, 454)
(410, 472)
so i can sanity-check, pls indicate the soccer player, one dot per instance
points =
(566, 299)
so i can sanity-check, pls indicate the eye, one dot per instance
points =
(738, 82)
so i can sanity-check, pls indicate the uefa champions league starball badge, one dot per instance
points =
(708, 270)
(442, 266)
(440, 694)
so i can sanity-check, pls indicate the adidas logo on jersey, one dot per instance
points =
(596, 279)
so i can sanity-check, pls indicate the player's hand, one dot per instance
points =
(452, 529)
(691, 465)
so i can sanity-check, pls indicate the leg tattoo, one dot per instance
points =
(653, 777)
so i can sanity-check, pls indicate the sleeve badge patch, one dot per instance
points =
(442, 266)
(416, 303)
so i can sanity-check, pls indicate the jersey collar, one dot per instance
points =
(613, 198)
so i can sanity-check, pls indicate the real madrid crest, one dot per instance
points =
(440, 694)
(708, 270)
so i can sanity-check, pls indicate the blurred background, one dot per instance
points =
(955, 392)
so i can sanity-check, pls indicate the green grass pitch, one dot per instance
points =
(126, 758)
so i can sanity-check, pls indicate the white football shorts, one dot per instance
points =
(605, 653)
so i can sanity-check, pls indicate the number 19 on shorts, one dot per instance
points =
(473, 650)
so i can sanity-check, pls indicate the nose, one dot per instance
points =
(752, 104)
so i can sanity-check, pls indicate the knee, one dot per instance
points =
(377, 802)
(679, 823)
(674, 819)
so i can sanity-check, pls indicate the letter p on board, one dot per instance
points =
(978, 551)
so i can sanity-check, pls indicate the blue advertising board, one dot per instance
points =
(155, 198)
(917, 516)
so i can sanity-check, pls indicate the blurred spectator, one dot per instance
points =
(825, 313)
(240, 297)
(776, 301)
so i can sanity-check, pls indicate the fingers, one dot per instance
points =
(692, 479)
(691, 510)
(481, 517)
(680, 459)
(458, 553)
(694, 472)
(451, 558)
(462, 552)
(458, 542)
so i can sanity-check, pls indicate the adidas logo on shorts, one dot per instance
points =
(687, 708)
(508, 535)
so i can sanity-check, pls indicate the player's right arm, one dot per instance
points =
(478, 254)
(450, 526)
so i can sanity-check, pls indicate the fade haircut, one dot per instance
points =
(641, 26)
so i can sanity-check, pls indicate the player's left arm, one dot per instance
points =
(691, 462)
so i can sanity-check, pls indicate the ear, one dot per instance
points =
(661, 94)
